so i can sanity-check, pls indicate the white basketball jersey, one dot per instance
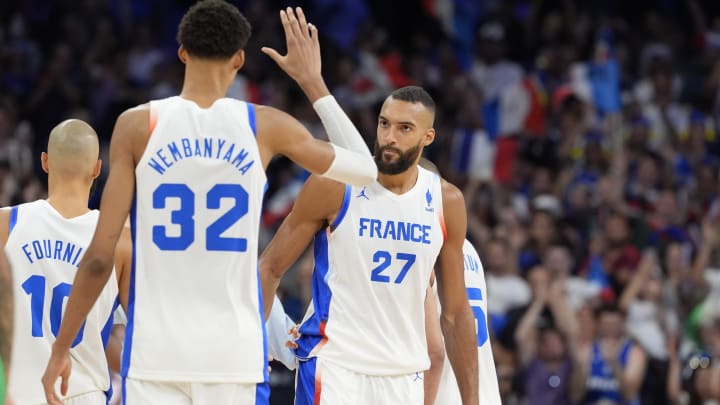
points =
(195, 311)
(372, 268)
(448, 394)
(44, 250)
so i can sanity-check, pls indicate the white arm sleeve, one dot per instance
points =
(353, 163)
(278, 324)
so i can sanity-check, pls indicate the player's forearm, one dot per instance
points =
(432, 377)
(461, 345)
(269, 283)
(90, 279)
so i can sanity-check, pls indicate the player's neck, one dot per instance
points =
(399, 183)
(205, 82)
(70, 199)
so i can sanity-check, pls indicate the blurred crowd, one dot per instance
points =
(584, 134)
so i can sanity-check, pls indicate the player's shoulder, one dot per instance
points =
(133, 120)
(451, 194)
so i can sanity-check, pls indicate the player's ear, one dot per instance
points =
(97, 169)
(429, 136)
(238, 60)
(44, 162)
(182, 54)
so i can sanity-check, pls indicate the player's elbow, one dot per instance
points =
(436, 352)
(97, 265)
(270, 269)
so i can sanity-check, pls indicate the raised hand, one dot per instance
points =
(302, 61)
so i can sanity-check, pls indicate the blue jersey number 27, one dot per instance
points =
(482, 330)
(384, 259)
(183, 217)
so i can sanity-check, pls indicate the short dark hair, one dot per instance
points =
(414, 94)
(213, 29)
(608, 308)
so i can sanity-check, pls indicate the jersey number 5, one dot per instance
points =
(184, 217)
(34, 286)
(475, 294)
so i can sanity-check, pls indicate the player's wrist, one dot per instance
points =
(314, 88)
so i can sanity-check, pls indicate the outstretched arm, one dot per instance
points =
(97, 263)
(347, 158)
(316, 205)
(456, 319)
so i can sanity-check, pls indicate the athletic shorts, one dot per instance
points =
(321, 383)
(142, 392)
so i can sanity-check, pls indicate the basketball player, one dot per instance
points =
(363, 340)
(443, 390)
(487, 376)
(44, 241)
(6, 322)
(190, 170)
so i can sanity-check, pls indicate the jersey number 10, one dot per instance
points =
(34, 286)
(184, 217)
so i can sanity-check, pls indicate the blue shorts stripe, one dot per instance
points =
(306, 378)
(262, 393)
(129, 328)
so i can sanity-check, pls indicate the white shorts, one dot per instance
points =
(319, 382)
(141, 392)
(91, 398)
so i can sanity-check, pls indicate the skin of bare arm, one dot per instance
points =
(317, 204)
(436, 348)
(456, 319)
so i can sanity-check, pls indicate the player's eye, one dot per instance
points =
(406, 128)
(383, 123)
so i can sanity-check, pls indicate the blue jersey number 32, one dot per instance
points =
(183, 217)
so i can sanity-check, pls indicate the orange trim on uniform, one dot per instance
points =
(153, 120)
(318, 384)
(441, 218)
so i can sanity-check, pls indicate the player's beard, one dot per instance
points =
(401, 164)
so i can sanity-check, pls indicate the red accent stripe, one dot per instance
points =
(153, 121)
(318, 385)
(441, 217)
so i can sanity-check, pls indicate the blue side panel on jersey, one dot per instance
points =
(251, 117)
(266, 377)
(107, 329)
(127, 347)
(343, 208)
(474, 294)
(305, 387)
(13, 218)
(310, 334)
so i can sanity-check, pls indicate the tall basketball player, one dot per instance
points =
(363, 340)
(45, 241)
(488, 391)
(441, 388)
(190, 170)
